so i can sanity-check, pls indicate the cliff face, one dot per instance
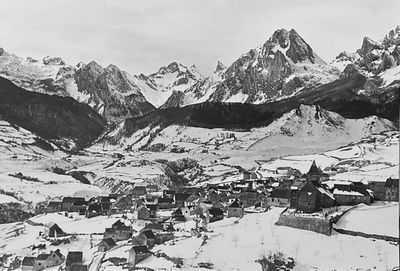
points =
(50, 116)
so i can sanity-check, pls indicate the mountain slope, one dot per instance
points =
(283, 66)
(308, 126)
(52, 117)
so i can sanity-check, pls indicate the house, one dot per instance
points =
(137, 254)
(118, 231)
(379, 189)
(106, 244)
(351, 194)
(45, 260)
(73, 258)
(215, 214)
(312, 197)
(180, 198)
(121, 205)
(143, 213)
(220, 205)
(155, 227)
(138, 191)
(148, 238)
(279, 197)
(392, 189)
(78, 206)
(67, 202)
(53, 207)
(180, 214)
(165, 203)
(93, 209)
(28, 264)
(55, 231)
(235, 209)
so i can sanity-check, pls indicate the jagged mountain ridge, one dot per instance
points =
(110, 91)
(378, 61)
(283, 66)
(175, 77)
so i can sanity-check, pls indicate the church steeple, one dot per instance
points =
(314, 174)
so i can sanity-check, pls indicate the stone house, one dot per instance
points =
(138, 191)
(122, 204)
(235, 209)
(392, 189)
(279, 197)
(45, 260)
(106, 244)
(179, 198)
(215, 214)
(118, 231)
(28, 264)
(379, 189)
(155, 227)
(313, 197)
(67, 202)
(351, 194)
(53, 207)
(142, 213)
(137, 254)
(148, 237)
(73, 258)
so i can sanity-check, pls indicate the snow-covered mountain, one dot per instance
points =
(283, 66)
(110, 91)
(175, 77)
(308, 127)
(378, 61)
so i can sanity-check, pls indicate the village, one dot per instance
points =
(309, 201)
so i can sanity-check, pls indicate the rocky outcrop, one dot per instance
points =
(111, 92)
(374, 60)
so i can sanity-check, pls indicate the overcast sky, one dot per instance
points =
(140, 36)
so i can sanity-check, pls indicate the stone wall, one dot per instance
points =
(319, 225)
(367, 235)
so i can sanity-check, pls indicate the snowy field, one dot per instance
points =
(378, 218)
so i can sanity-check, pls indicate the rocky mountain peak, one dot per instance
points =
(220, 66)
(1, 51)
(367, 46)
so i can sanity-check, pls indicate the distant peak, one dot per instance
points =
(53, 60)
(1, 51)
(220, 66)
